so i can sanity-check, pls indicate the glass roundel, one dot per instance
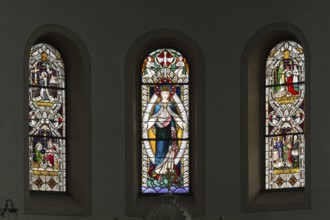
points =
(285, 117)
(47, 119)
(165, 109)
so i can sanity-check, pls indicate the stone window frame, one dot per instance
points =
(254, 196)
(138, 204)
(78, 198)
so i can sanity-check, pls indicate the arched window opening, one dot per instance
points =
(47, 119)
(285, 114)
(165, 109)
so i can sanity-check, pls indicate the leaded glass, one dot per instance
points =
(165, 109)
(47, 141)
(284, 118)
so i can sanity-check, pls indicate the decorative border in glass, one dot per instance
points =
(47, 120)
(284, 117)
(165, 122)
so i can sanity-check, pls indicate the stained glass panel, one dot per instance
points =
(165, 63)
(165, 108)
(47, 120)
(285, 116)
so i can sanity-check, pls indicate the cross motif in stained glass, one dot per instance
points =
(51, 183)
(279, 181)
(293, 180)
(38, 182)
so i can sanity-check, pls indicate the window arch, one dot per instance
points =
(137, 203)
(284, 113)
(165, 108)
(45, 74)
(260, 61)
(47, 119)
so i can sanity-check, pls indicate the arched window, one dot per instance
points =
(164, 133)
(275, 122)
(47, 119)
(165, 101)
(284, 130)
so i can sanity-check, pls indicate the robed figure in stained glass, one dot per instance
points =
(287, 72)
(44, 74)
(165, 109)
(165, 119)
(148, 71)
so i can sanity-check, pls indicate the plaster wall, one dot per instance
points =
(108, 29)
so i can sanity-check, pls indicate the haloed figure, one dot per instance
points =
(165, 120)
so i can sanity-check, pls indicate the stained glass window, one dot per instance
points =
(47, 134)
(165, 109)
(284, 119)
